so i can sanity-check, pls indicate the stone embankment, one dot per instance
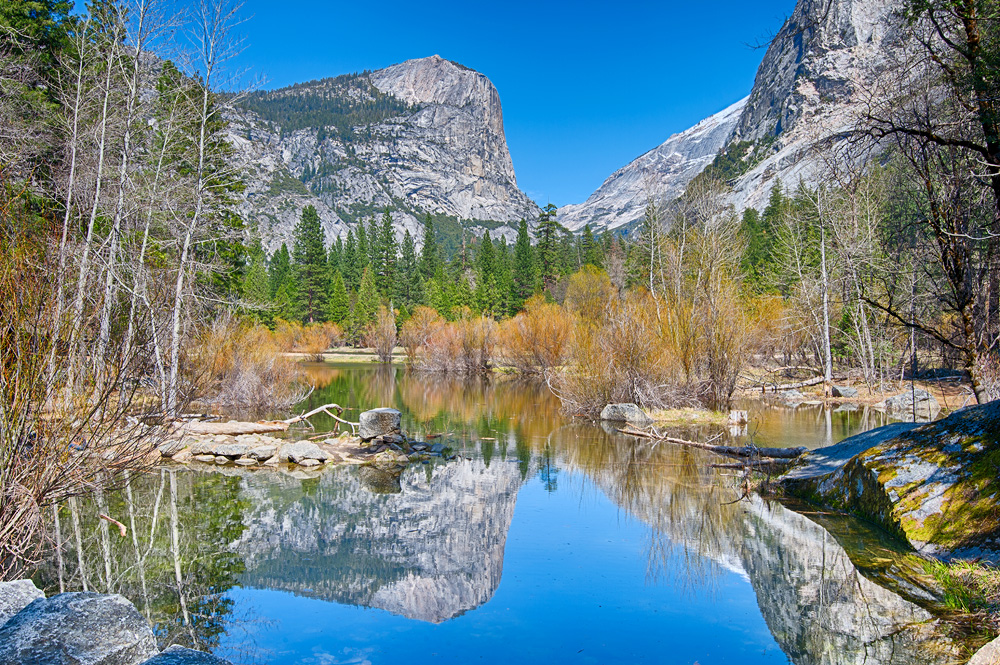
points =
(81, 629)
(379, 443)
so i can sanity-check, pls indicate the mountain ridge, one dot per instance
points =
(424, 136)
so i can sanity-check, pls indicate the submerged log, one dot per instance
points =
(730, 451)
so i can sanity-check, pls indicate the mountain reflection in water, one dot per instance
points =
(433, 554)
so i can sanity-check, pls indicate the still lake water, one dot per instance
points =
(549, 540)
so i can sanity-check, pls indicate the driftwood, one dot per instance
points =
(792, 386)
(236, 427)
(729, 451)
(753, 464)
(232, 428)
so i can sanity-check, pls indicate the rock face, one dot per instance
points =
(661, 174)
(423, 136)
(988, 655)
(15, 596)
(809, 90)
(77, 629)
(935, 485)
(378, 422)
(627, 413)
(808, 93)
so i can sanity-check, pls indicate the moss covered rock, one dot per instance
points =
(937, 485)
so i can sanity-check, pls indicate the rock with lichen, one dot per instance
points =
(936, 485)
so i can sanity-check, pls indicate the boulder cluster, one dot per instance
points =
(81, 627)
(379, 442)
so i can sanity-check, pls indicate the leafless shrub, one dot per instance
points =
(381, 334)
(242, 366)
(416, 331)
(464, 346)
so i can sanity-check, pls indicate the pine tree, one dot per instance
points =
(351, 264)
(487, 293)
(280, 270)
(408, 290)
(364, 254)
(384, 255)
(430, 256)
(309, 255)
(525, 272)
(590, 249)
(256, 284)
(504, 278)
(338, 305)
(366, 305)
(335, 259)
(548, 249)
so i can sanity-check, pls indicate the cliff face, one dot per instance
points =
(808, 92)
(810, 89)
(423, 136)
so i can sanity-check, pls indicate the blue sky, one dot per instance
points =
(586, 87)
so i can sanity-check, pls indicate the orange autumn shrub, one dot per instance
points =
(536, 340)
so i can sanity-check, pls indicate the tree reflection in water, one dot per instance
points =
(174, 563)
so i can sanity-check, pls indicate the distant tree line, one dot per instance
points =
(347, 281)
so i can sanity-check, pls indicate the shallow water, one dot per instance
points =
(548, 540)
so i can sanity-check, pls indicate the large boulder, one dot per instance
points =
(935, 485)
(77, 629)
(627, 413)
(300, 451)
(378, 422)
(178, 655)
(15, 596)
(904, 405)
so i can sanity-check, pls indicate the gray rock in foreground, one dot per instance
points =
(378, 422)
(77, 629)
(629, 413)
(178, 655)
(15, 596)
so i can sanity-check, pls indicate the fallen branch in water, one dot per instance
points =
(753, 464)
(236, 428)
(324, 409)
(730, 451)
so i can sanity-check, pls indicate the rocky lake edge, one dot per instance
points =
(378, 442)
